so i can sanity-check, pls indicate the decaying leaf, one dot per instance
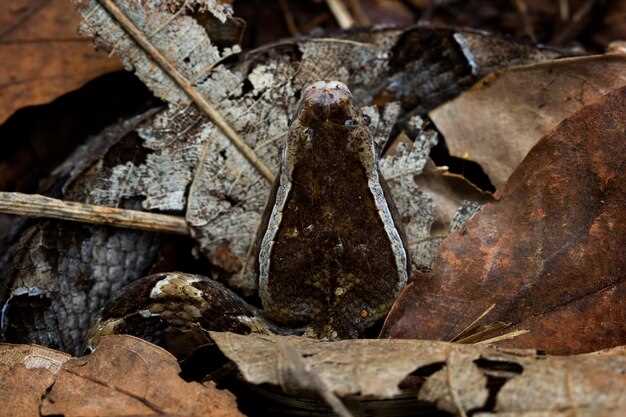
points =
(42, 55)
(26, 372)
(127, 376)
(460, 379)
(165, 25)
(502, 117)
(549, 255)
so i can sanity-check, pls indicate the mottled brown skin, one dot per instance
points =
(332, 267)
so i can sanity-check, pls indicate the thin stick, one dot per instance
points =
(472, 324)
(34, 205)
(341, 13)
(479, 333)
(359, 13)
(188, 88)
(506, 336)
(289, 20)
(522, 10)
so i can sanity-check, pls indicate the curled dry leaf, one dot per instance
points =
(454, 198)
(127, 376)
(47, 58)
(440, 376)
(26, 372)
(550, 254)
(502, 117)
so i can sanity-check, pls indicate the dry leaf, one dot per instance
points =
(127, 376)
(502, 117)
(442, 376)
(369, 367)
(549, 255)
(454, 198)
(26, 372)
(43, 55)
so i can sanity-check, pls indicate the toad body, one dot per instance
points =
(331, 256)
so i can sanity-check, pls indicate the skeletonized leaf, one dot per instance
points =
(175, 32)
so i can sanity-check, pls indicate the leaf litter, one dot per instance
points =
(257, 96)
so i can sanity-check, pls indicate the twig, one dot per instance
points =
(187, 87)
(576, 24)
(346, 41)
(506, 336)
(472, 324)
(341, 13)
(34, 205)
(289, 20)
(564, 9)
(479, 333)
(522, 10)
(359, 13)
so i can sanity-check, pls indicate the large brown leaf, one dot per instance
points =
(502, 117)
(26, 372)
(451, 377)
(127, 376)
(42, 54)
(550, 255)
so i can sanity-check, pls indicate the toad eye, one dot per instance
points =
(367, 120)
(350, 123)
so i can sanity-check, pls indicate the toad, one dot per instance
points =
(330, 254)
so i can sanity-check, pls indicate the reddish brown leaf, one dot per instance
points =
(550, 255)
(501, 118)
(127, 376)
(47, 57)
